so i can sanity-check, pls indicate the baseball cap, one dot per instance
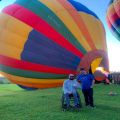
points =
(71, 75)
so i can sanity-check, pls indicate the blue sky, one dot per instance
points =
(99, 7)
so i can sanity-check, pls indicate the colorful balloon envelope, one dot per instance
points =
(113, 17)
(43, 41)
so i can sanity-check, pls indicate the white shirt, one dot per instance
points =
(70, 86)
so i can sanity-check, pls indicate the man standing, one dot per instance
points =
(70, 88)
(87, 81)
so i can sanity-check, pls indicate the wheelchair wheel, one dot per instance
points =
(80, 104)
(64, 105)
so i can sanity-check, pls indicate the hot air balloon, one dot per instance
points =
(43, 41)
(113, 17)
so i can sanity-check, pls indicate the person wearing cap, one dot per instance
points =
(87, 82)
(70, 87)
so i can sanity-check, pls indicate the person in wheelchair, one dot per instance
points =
(70, 87)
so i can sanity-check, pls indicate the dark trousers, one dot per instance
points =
(88, 95)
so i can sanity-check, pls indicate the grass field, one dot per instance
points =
(18, 104)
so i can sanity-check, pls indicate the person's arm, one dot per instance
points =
(93, 81)
(78, 77)
(77, 84)
(65, 87)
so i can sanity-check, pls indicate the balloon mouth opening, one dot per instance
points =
(101, 74)
(101, 69)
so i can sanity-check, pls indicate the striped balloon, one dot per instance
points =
(43, 41)
(113, 18)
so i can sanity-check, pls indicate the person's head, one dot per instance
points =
(71, 76)
(83, 71)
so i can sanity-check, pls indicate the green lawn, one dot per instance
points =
(18, 104)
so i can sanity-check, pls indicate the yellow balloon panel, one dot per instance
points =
(95, 64)
(97, 33)
(34, 83)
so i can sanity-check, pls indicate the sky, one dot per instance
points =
(99, 7)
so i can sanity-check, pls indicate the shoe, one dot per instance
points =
(77, 106)
(92, 106)
(87, 106)
(69, 106)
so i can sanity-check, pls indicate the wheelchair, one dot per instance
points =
(64, 105)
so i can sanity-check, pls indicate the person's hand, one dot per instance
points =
(75, 86)
(70, 93)
(91, 86)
